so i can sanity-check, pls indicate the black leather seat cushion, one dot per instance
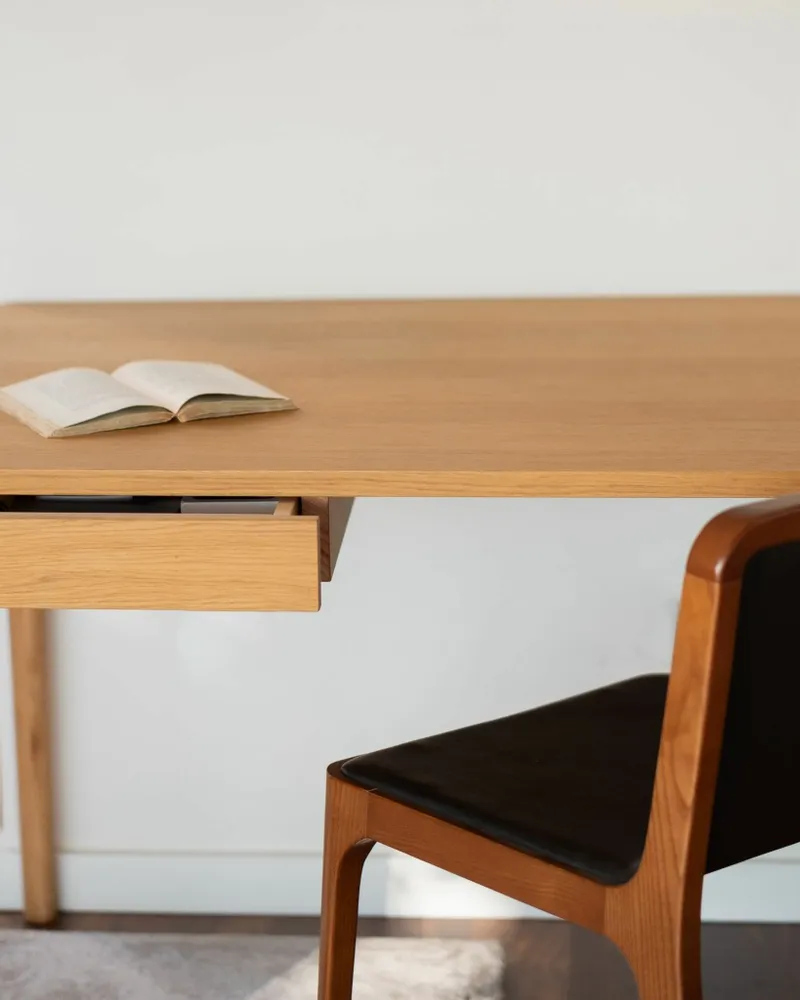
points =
(570, 782)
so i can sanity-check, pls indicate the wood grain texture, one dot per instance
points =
(32, 724)
(654, 918)
(482, 860)
(729, 540)
(189, 562)
(346, 849)
(606, 397)
(287, 507)
(334, 514)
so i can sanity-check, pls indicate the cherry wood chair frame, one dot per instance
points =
(654, 918)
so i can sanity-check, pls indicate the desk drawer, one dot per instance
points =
(242, 562)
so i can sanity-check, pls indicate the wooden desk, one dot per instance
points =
(647, 397)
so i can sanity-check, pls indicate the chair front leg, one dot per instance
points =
(346, 849)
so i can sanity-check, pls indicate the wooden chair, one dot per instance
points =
(607, 809)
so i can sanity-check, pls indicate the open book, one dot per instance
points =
(75, 401)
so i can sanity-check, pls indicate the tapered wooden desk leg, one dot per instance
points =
(32, 718)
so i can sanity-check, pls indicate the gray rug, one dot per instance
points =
(40, 965)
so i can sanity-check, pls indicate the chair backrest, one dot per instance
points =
(756, 803)
(750, 557)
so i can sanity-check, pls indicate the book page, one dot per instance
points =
(73, 395)
(173, 383)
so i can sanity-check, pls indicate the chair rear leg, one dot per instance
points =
(665, 959)
(346, 849)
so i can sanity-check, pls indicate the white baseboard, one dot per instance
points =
(394, 885)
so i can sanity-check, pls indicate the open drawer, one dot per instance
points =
(253, 562)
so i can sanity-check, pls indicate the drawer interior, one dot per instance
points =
(147, 505)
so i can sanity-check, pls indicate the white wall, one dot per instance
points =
(446, 147)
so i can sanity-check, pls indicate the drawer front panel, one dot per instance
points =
(189, 562)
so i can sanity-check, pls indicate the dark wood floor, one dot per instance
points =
(546, 960)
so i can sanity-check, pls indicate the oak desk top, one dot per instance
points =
(604, 397)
